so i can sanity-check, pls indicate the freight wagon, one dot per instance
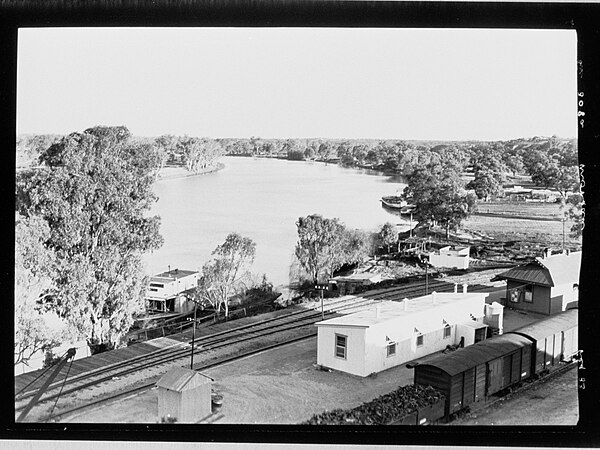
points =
(555, 339)
(474, 373)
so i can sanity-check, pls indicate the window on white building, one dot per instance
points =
(419, 340)
(447, 331)
(391, 349)
(340, 345)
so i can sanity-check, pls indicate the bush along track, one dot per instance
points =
(388, 409)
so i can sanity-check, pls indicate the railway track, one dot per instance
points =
(208, 346)
(180, 353)
(146, 386)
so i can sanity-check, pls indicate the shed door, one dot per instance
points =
(480, 334)
(494, 381)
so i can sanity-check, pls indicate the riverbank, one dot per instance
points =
(172, 173)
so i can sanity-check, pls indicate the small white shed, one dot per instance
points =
(392, 333)
(456, 257)
(184, 395)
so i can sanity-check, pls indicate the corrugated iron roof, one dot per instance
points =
(530, 273)
(547, 327)
(476, 354)
(553, 270)
(177, 378)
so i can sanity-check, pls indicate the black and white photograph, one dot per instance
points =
(298, 226)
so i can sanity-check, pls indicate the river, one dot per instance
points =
(262, 199)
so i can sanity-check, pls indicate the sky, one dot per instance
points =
(426, 84)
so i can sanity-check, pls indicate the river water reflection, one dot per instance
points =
(262, 199)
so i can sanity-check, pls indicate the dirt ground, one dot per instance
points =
(279, 386)
(553, 402)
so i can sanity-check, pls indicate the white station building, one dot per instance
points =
(393, 333)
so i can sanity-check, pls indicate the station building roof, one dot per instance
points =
(552, 270)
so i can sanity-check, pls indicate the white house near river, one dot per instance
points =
(167, 291)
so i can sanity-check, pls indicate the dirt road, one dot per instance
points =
(553, 402)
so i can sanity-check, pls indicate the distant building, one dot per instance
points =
(454, 257)
(392, 333)
(349, 284)
(548, 285)
(170, 291)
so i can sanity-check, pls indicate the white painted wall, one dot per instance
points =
(171, 287)
(449, 260)
(355, 349)
(566, 290)
(367, 346)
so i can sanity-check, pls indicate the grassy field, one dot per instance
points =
(548, 233)
(528, 209)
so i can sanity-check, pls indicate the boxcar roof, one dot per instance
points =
(547, 327)
(476, 354)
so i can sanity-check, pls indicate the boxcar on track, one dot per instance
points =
(555, 339)
(473, 373)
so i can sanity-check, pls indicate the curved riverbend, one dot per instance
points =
(262, 198)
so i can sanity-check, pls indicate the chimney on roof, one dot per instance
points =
(455, 288)
(405, 301)
(433, 297)
(465, 288)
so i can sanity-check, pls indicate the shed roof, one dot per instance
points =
(552, 270)
(180, 379)
(547, 327)
(476, 354)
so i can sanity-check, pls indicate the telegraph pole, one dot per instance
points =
(321, 287)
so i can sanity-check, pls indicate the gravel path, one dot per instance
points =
(553, 402)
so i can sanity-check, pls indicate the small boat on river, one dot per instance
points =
(395, 202)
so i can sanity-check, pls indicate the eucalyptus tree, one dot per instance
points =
(227, 274)
(439, 196)
(95, 191)
(37, 327)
